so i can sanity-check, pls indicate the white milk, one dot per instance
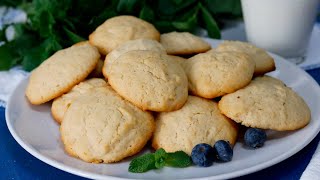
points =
(280, 26)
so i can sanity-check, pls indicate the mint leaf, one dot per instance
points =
(142, 164)
(2, 35)
(160, 163)
(46, 22)
(160, 153)
(19, 30)
(158, 160)
(8, 57)
(147, 14)
(187, 21)
(74, 38)
(178, 159)
(210, 23)
(169, 7)
(164, 26)
(227, 7)
(67, 21)
(127, 6)
(35, 56)
(160, 157)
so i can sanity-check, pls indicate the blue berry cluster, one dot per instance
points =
(204, 154)
(254, 137)
(223, 151)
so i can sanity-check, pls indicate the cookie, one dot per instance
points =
(264, 62)
(268, 104)
(183, 43)
(138, 44)
(117, 30)
(101, 127)
(97, 71)
(214, 74)
(178, 59)
(150, 80)
(62, 103)
(198, 121)
(81, 43)
(60, 72)
(211, 51)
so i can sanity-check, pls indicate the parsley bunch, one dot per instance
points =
(53, 25)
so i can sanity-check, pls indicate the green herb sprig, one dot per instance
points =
(53, 25)
(158, 160)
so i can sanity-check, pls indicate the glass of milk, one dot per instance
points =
(280, 26)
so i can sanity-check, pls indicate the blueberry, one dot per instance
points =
(202, 155)
(254, 137)
(223, 151)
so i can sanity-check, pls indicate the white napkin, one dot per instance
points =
(312, 171)
(9, 80)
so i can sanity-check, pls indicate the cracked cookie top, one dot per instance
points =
(62, 103)
(150, 80)
(138, 44)
(120, 29)
(214, 74)
(268, 104)
(102, 127)
(264, 62)
(60, 72)
(183, 43)
(198, 121)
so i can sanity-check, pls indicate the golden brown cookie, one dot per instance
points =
(138, 44)
(183, 43)
(264, 62)
(268, 104)
(60, 72)
(179, 59)
(150, 80)
(97, 71)
(62, 103)
(198, 121)
(117, 30)
(214, 74)
(101, 127)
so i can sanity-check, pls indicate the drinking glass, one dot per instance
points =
(281, 26)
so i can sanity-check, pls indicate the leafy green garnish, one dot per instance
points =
(8, 57)
(178, 159)
(158, 160)
(127, 6)
(53, 25)
(74, 38)
(143, 163)
(226, 7)
(210, 23)
(160, 157)
(147, 14)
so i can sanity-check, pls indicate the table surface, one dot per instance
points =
(16, 163)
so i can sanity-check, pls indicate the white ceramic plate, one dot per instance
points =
(36, 131)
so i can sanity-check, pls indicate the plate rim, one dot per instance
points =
(252, 169)
(36, 154)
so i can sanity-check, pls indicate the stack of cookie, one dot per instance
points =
(129, 84)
